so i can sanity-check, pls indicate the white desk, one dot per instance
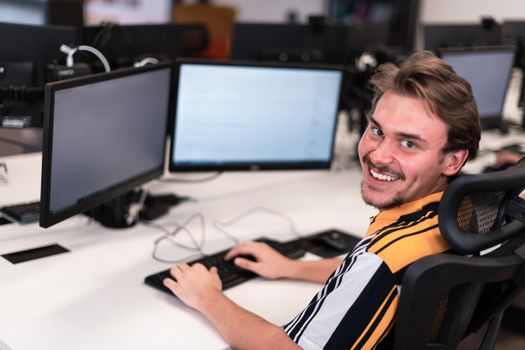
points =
(94, 296)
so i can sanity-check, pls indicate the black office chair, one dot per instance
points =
(445, 297)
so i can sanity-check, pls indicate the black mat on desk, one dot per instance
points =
(330, 243)
(34, 253)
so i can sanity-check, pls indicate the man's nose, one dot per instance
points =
(383, 154)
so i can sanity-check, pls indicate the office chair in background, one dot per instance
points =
(446, 297)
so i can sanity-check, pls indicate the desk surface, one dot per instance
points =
(94, 296)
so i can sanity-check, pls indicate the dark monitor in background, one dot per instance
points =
(104, 135)
(25, 51)
(400, 17)
(488, 70)
(306, 43)
(462, 35)
(126, 45)
(39, 45)
(514, 34)
(249, 116)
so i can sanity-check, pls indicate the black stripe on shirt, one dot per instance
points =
(378, 319)
(430, 228)
(359, 315)
(414, 219)
(298, 325)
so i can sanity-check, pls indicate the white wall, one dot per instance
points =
(432, 11)
(22, 13)
(127, 12)
(274, 10)
(442, 11)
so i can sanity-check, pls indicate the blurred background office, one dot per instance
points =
(356, 35)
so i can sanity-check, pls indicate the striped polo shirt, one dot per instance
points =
(356, 308)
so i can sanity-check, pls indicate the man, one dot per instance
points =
(423, 127)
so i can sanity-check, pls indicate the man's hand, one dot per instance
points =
(194, 284)
(507, 157)
(269, 263)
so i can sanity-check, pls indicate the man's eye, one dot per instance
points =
(408, 144)
(377, 132)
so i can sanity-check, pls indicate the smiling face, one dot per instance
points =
(401, 152)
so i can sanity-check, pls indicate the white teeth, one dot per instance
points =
(382, 177)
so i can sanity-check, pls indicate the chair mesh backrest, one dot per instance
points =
(477, 213)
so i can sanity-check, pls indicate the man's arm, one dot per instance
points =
(201, 289)
(271, 264)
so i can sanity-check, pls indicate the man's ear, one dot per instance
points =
(454, 161)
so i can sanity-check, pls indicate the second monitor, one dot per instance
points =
(242, 116)
(488, 70)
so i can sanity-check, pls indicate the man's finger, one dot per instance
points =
(246, 264)
(214, 271)
(175, 271)
(170, 284)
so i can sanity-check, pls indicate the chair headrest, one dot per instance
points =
(477, 212)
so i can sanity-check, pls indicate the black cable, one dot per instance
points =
(103, 36)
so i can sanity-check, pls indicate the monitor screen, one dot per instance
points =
(249, 116)
(103, 135)
(488, 71)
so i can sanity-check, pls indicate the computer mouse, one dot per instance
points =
(333, 240)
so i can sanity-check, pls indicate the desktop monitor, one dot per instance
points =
(488, 70)
(104, 135)
(250, 116)
(125, 45)
(25, 51)
(514, 34)
(38, 45)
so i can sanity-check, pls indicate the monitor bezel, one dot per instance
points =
(490, 121)
(48, 219)
(248, 166)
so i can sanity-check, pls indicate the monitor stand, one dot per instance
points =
(117, 214)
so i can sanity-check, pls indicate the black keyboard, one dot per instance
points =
(229, 273)
(24, 213)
